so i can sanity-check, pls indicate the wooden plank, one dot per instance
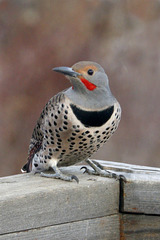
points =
(99, 228)
(136, 227)
(141, 196)
(29, 201)
(127, 168)
(141, 192)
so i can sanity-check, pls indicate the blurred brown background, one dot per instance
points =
(122, 35)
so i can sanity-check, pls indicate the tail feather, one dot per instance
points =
(26, 168)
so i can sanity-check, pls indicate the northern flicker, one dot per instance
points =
(75, 123)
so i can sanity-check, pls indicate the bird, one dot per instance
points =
(75, 123)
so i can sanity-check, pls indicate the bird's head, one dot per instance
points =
(85, 75)
(89, 81)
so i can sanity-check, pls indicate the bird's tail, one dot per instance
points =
(26, 168)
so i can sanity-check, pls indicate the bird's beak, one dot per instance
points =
(66, 71)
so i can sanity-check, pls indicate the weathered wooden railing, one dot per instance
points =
(33, 207)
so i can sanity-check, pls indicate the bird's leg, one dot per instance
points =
(99, 170)
(59, 175)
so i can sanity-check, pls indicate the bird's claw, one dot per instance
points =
(85, 169)
(73, 177)
(89, 171)
(123, 178)
(118, 177)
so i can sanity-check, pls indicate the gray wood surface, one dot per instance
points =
(141, 192)
(104, 228)
(139, 227)
(29, 201)
(33, 207)
(142, 197)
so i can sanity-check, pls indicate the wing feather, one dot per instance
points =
(38, 133)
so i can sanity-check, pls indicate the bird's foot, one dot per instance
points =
(59, 175)
(99, 170)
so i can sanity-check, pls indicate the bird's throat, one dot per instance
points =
(90, 86)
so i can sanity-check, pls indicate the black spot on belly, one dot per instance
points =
(92, 118)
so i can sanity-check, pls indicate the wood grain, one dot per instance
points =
(139, 227)
(99, 228)
(33, 207)
(29, 201)
(141, 192)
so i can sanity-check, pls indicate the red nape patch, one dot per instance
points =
(90, 86)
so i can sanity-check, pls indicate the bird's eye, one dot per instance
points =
(90, 72)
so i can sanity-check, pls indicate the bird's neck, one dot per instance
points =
(91, 100)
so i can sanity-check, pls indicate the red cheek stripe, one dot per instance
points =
(90, 86)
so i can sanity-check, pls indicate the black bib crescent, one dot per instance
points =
(92, 118)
